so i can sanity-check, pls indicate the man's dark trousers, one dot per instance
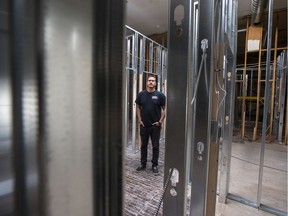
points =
(154, 133)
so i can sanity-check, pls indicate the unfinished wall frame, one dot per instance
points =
(207, 68)
(143, 56)
(258, 98)
(227, 119)
(258, 202)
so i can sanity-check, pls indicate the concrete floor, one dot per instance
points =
(143, 190)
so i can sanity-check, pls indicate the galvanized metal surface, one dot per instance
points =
(51, 66)
(277, 96)
(228, 118)
(24, 43)
(67, 68)
(201, 141)
(282, 89)
(266, 101)
(126, 77)
(6, 150)
(134, 91)
(108, 47)
(176, 146)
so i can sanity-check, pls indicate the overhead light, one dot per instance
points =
(157, 26)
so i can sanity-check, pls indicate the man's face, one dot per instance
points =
(151, 82)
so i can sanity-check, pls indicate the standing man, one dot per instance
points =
(151, 114)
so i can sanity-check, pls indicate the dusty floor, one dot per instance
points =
(143, 190)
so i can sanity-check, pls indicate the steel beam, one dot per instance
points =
(219, 94)
(66, 142)
(277, 97)
(266, 104)
(25, 41)
(150, 57)
(158, 67)
(203, 103)
(228, 123)
(164, 54)
(283, 76)
(126, 92)
(53, 113)
(142, 61)
(134, 90)
(107, 107)
(176, 146)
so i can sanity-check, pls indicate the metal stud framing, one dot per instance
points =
(257, 203)
(25, 99)
(183, 33)
(176, 148)
(228, 120)
(199, 139)
(259, 97)
(107, 106)
(280, 95)
(66, 78)
(143, 56)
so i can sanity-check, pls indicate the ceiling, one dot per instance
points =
(151, 16)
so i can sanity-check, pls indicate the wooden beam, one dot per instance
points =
(271, 80)
(250, 98)
(279, 48)
(212, 180)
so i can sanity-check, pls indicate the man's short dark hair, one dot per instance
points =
(151, 75)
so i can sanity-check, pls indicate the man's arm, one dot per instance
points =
(163, 115)
(138, 111)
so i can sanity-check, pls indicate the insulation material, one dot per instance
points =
(254, 38)
(253, 45)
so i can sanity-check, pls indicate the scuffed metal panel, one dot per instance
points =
(68, 93)
(176, 145)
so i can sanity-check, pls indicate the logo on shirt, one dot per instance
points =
(155, 97)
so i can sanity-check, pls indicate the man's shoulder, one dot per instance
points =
(160, 93)
(142, 92)
(162, 98)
